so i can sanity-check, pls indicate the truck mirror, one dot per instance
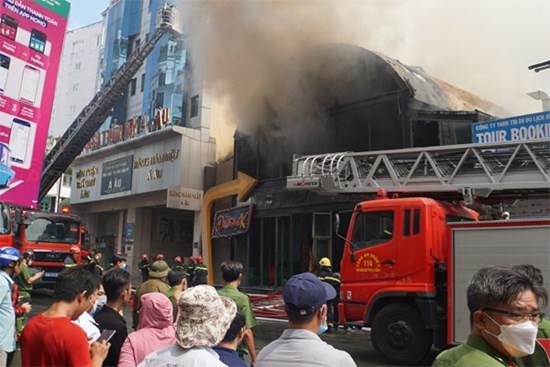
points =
(337, 223)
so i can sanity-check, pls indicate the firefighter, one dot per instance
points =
(118, 262)
(144, 267)
(94, 266)
(72, 259)
(159, 257)
(325, 274)
(178, 264)
(191, 271)
(201, 272)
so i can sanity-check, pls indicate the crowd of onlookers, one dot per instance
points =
(181, 321)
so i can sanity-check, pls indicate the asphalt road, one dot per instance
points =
(356, 342)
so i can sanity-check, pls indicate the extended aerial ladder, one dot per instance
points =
(481, 170)
(73, 141)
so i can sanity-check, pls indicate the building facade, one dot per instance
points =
(138, 183)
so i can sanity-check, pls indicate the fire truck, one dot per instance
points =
(50, 235)
(407, 259)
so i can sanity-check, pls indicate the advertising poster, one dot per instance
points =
(518, 128)
(31, 41)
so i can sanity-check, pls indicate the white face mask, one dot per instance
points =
(99, 303)
(519, 339)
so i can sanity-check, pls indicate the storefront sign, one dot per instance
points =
(117, 175)
(517, 128)
(129, 231)
(184, 198)
(231, 222)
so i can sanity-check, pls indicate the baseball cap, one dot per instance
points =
(306, 293)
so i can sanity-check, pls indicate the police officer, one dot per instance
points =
(201, 272)
(325, 274)
(72, 259)
(178, 264)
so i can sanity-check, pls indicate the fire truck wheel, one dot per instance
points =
(398, 333)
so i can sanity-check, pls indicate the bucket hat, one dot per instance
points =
(159, 269)
(204, 317)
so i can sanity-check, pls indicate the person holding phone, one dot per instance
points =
(51, 339)
(118, 289)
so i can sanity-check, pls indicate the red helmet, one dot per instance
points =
(191, 258)
(178, 259)
(199, 259)
(74, 249)
(159, 257)
(143, 256)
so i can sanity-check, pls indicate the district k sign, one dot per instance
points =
(519, 128)
(233, 221)
(31, 41)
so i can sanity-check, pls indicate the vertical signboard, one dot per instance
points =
(31, 41)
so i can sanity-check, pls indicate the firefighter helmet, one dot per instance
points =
(325, 261)
(199, 259)
(28, 255)
(7, 255)
(178, 259)
(159, 257)
(74, 249)
(144, 257)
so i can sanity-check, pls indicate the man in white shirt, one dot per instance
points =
(305, 299)
(204, 319)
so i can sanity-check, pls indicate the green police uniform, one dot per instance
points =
(476, 352)
(243, 303)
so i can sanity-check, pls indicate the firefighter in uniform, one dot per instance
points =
(191, 271)
(325, 274)
(178, 264)
(94, 266)
(201, 272)
(144, 267)
(72, 259)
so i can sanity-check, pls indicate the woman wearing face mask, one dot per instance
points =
(504, 317)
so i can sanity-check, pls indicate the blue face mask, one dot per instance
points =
(124, 267)
(323, 327)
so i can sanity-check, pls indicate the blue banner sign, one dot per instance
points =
(116, 175)
(233, 221)
(518, 128)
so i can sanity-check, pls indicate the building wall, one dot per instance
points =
(77, 77)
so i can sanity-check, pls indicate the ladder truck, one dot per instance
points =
(407, 260)
(30, 228)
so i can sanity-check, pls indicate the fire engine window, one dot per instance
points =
(407, 223)
(45, 230)
(372, 228)
(416, 221)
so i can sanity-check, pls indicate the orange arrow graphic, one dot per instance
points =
(242, 187)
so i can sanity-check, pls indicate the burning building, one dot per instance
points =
(331, 98)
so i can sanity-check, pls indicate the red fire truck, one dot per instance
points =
(406, 261)
(49, 236)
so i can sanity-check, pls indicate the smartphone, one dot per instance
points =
(29, 85)
(106, 335)
(38, 41)
(19, 139)
(4, 67)
(8, 28)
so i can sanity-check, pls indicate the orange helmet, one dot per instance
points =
(178, 259)
(74, 249)
(199, 259)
